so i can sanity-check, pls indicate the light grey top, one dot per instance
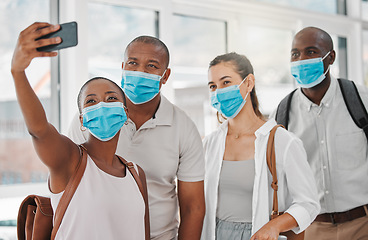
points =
(235, 191)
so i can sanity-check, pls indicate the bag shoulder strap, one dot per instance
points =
(69, 191)
(141, 182)
(271, 163)
(354, 104)
(283, 109)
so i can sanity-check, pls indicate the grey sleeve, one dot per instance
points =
(191, 162)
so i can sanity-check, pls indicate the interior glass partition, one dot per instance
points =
(111, 28)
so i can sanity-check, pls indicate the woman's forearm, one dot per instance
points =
(32, 109)
(25, 51)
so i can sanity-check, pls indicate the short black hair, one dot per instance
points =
(93, 79)
(154, 41)
(326, 38)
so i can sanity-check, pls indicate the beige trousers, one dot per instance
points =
(353, 230)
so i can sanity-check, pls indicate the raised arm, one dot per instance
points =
(55, 150)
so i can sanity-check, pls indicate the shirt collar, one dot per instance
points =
(327, 99)
(165, 112)
(265, 128)
(224, 126)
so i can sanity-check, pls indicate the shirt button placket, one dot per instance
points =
(321, 128)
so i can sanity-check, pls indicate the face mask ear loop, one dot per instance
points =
(328, 68)
(328, 64)
(326, 55)
(243, 81)
(246, 96)
(163, 74)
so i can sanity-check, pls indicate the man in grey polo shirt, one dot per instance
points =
(336, 147)
(161, 139)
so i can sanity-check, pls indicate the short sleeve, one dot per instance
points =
(191, 158)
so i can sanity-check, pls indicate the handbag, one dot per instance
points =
(35, 216)
(271, 163)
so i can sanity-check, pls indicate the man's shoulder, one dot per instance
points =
(180, 116)
(362, 90)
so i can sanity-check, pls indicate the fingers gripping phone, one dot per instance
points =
(68, 33)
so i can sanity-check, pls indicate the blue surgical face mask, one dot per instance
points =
(104, 120)
(309, 72)
(228, 101)
(140, 87)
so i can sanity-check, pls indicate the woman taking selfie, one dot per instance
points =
(238, 189)
(107, 203)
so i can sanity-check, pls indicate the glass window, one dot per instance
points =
(19, 164)
(193, 49)
(340, 67)
(365, 10)
(365, 56)
(198, 41)
(326, 6)
(18, 160)
(271, 62)
(111, 28)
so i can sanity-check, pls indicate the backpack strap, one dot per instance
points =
(70, 189)
(282, 112)
(354, 104)
(142, 185)
(271, 163)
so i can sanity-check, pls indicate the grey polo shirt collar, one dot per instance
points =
(163, 116)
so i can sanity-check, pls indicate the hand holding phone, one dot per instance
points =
(26, 47)
(68, 33)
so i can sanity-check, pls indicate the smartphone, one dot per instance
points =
(68, 33)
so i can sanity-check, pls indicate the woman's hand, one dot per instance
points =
(26, 48)
(272, 229)
(268, 232)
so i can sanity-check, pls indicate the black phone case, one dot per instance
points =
(68, 33)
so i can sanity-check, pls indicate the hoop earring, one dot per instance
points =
(220, 118)
(127, 113)
(83, 128)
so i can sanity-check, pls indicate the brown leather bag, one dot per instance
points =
(271, 162)
(35, 213)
